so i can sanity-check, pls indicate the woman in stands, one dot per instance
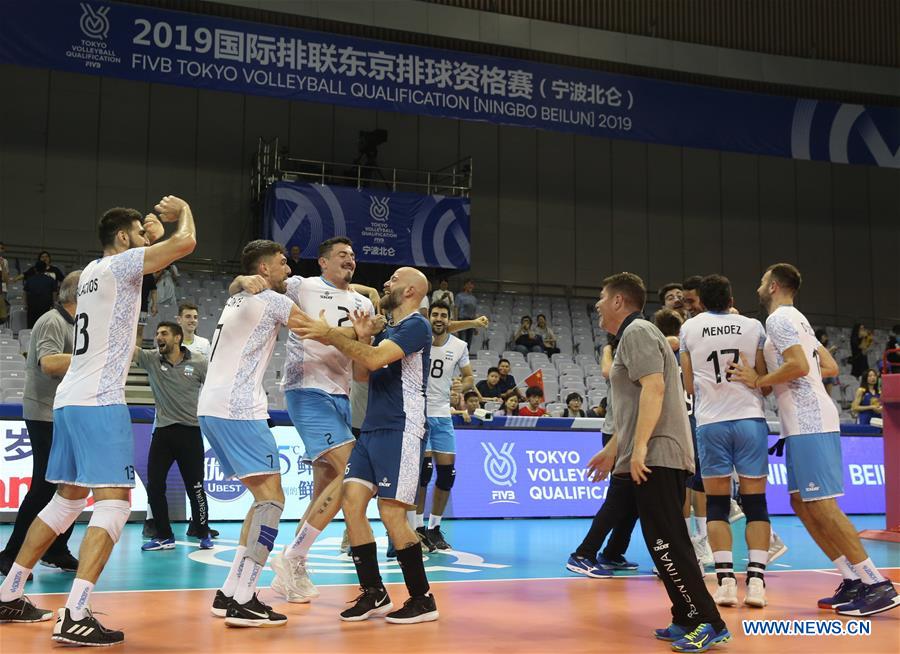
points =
(867, 403)
(510, 407)
(860, 342)
(822, 337)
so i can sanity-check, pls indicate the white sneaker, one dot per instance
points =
(726, 593)
(345, 542)
(736, 512)
(703, 550)
(776, 547)
(756, 593)
(292, 579)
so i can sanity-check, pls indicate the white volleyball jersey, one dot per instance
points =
(199, 346)
(446, 360)
(803, 405)
(242, 346)
(109, 301)
(311, 364)
(714, 341)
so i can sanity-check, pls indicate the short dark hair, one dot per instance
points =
(468, 395)
(666, 288)
(187, 306)
(786, 275)
(493, 369)
(440, 304)
(502, 360)
(325, 246)
(115, 220)
(173, 327)
(692, 283)
(540, 315)
(574, 396)
(820, 332)
(715, 292)
(864, 380)
(628, 285)
(256, 250)
(534, 391)
(668, 321)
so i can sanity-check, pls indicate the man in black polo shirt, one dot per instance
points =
(175, 376)
(507, 382)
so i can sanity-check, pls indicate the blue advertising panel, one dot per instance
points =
(171, 47)
(394, 228)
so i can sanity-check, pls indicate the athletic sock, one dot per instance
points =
(246, 584)
(434, 521)
(79, 598)
(757, 565)
(689, 521)
(700, 521)
(235, 572)
(724, 565)
(304, 539)
(867, 572)
(843, 566)
(420, 520)
(365, 558)
(14, 585)
(411, 519)
(413, 566)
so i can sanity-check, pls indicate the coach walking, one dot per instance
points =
(655, 450)
(49, 355)
(175, 375)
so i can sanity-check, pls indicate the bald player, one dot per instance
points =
(388, 456)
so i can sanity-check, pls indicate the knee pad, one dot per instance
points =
(60, 513)
(111, 515)
(263, 530)
(427, 470)
(755, 507)
(717, 507)
(446, 475)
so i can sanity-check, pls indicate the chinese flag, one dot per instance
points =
(535, 379)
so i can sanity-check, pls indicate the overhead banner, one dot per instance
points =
(171, 47)
(394, 228)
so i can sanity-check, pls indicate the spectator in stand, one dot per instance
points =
(294, 262)
(525, 339)
(443, 294)
(690, 296)
(507, 382)
(49, 269)
(671, 296)
(535, 396)
(473, 403)
(822, 337)
(510, 407)
(188, 317)
(488, 389)
(573, 406)
(465, 307)
(148, 304)
(860, 342)
(548, 338)
(598, 411)
(40, 292)
(166, 295)
(867, 402)
(4, 282)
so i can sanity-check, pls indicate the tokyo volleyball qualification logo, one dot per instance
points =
(94, 22)
(440, 234)
(500, 469)
(379, 209)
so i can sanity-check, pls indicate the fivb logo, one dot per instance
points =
(500, 468)
(379, 209)
(215, 483)
(94, 23)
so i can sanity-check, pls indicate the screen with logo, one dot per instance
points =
(508, 473)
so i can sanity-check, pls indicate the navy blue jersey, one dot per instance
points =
(397, 391)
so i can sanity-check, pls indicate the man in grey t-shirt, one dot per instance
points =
(49, 355)
(652, 445)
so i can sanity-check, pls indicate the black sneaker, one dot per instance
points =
(253, 614)
(437, 537)
(22, 610)
(415, 609)
(149, 530)
(427, 544)
(6, 565)
(220, 604)
(87, 631)
(371, 603)
(193, 533)
(65, 562)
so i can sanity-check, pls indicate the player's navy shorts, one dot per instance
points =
(93, 446)
(388, 462)
(245, 448)
(814, 465)
(739, 445)
(441, 436)
(695, 481)
(322, 420)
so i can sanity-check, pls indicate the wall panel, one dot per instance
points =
(517, 209)
(555, 208)
(664, 201)
(740, 228)
(629, 208)
(593, 211)
(702, 210)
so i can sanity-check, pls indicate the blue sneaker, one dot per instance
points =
(844, 594)
(584, 566)
(616, 563)
(206, 543)
(672, 632)
(872, 599)
(701, 639)
(156, 544)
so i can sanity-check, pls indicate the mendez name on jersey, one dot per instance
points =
(446, 361)
(311, 364)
